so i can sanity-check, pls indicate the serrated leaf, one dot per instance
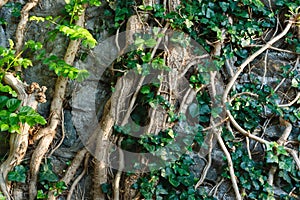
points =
(40, 120)
(3, 100)
(26, 109)
(150, 43)
(82, 75)
(13, 104)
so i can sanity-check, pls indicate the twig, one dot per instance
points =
(248, 148)
(231, 169)
(71, 171)
(253, 56)
(119, 173)
(63, 133)
(207, 166)
(217, 187)
(241, 94)
(275, 48)
(282, 81)
(76, 181)
(287, 131)
(265, 69)
(290, 103)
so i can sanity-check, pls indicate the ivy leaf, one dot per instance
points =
(272, 158)
(224, 6)
(18, 175)
(216, 111)
(204, 109)
(194, 110)
(46, 174)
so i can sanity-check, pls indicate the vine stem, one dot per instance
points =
(253, 56)
(55, 110)
(226, 100)
(18, 141)
(2, 2)
(21, 27)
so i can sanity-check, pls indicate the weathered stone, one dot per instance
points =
(70, 131)
(3, 40)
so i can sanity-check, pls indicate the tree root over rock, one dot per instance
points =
(19, 141)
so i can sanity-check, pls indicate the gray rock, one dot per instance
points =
(274, 131)
(70, 131)
(3, 40)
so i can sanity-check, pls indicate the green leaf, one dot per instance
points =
(3, 100)
(46, 174)
(146, 58)
(41, 195)
(145, 89)
(82, 75)
(4, 127)
(150, 43)
(26, 109)
(18, 175)
(216, 111)
(272, 158)
(204, 109)
(194, 110)
(14, 129)
(13, 104)
(224, 6)
(171, 133)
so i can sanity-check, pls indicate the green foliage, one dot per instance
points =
(77, 32)
(18, 174)
(74, 32)
(41, 195)
(61, 68)
(11, 116)
(8, 58)
(15, 8)
(2, 197)
(175, 181)
(123, 10)
(75, 7)
(49, 180)
(46, 174)
(59, 188)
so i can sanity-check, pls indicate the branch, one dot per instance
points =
(55, 110)
(230, 166)
(19, 141)
(22, 25)
(291, 103)
(2, 2)
(253, 56)
(86, 160)
(287, 131)
(72, 169)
